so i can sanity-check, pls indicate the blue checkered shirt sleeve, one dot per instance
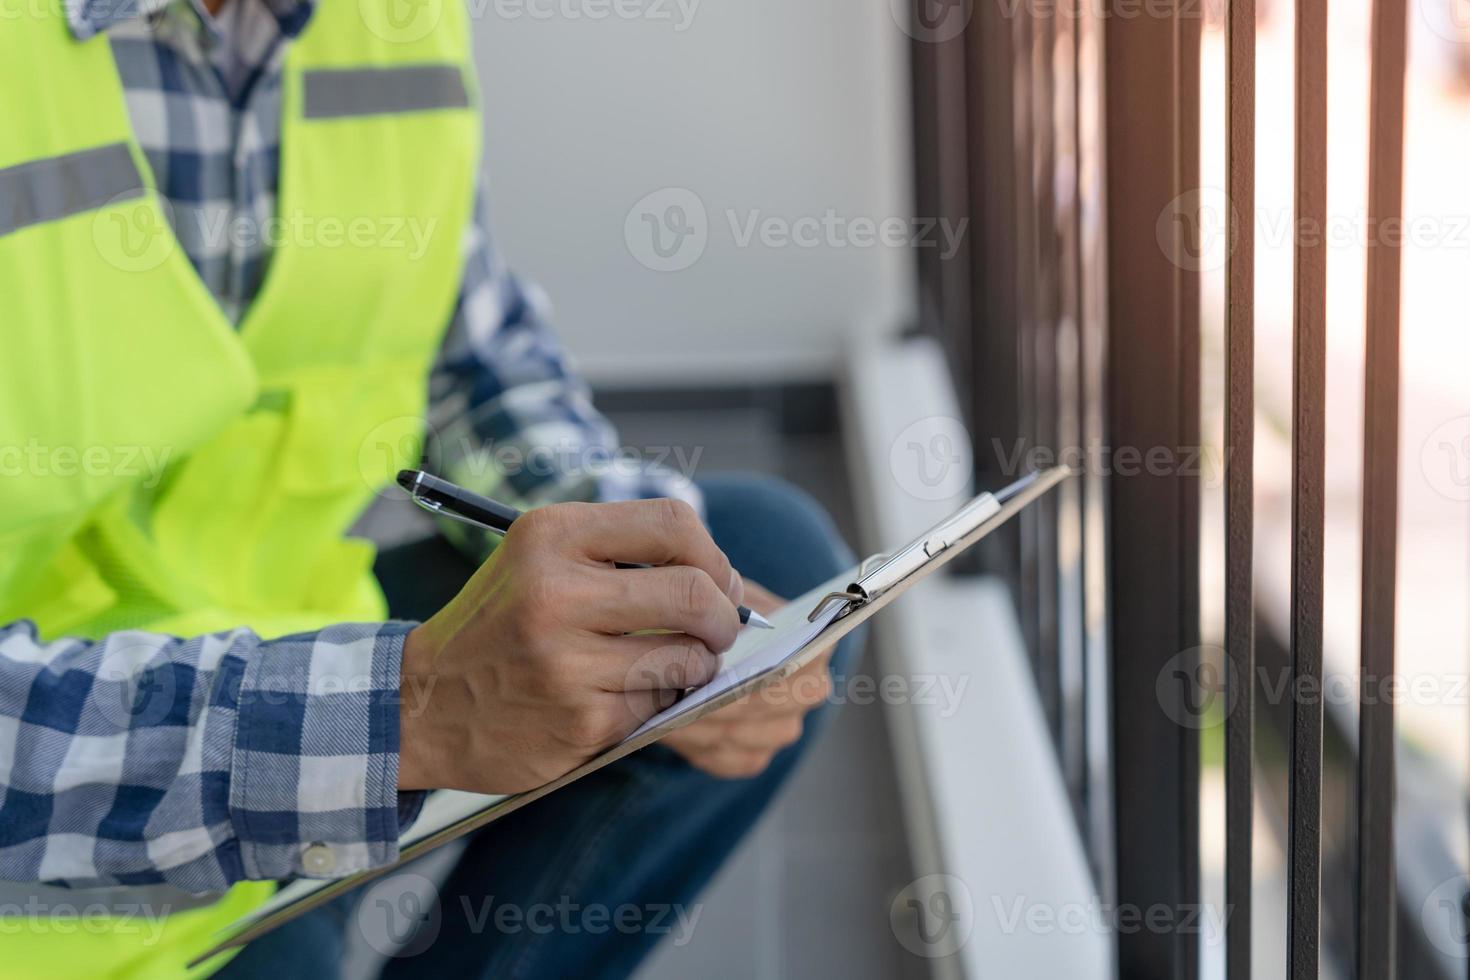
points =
(143, 758)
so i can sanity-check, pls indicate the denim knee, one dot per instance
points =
(778, 535)
(774, 533)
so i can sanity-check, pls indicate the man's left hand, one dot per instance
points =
(739, 740)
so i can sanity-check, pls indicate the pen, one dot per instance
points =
(438, 496)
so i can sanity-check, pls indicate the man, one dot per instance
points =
(240, 242)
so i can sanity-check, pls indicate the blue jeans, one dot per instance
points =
(584, 882)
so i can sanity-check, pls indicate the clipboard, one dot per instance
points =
(832, 611)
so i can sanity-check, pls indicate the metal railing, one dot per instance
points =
(1063, 132)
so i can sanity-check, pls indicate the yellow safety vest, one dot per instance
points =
(161, 469)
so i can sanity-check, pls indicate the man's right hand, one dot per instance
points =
(530, 671)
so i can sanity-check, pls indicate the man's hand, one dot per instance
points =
(740, 740)
(529, 671)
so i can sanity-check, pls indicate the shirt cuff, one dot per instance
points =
(314, 768)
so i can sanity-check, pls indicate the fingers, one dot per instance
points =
(802, 691)
(769, 734)
(741, 739)
(732, 762)
(805, 689)
(653, 532)
(633, 708)
(642, 675)
(669, 662)
(678, 598)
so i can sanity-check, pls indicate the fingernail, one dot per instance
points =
(736, 591)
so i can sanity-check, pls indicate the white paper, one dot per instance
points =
(756, 652)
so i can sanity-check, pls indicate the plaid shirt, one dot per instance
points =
(198, 762)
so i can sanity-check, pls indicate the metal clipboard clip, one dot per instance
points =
(855, 595)
(880, 573)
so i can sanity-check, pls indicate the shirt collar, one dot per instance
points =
(89, 17)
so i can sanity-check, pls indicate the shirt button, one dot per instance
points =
(318, 859)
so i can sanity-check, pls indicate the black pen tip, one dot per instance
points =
(407, 479)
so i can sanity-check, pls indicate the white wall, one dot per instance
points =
(768, 108)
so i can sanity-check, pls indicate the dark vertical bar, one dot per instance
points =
(941, 191)
(1376, 892)
(1240, 412)
(1154, 533)
(1027, 235)
(992, 77)
(1309, 370)
(1065, 193)
(1044, 285)
(1189, 26)
(1093, 354)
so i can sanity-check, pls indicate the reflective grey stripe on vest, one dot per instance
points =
(151, 902)
(332, 93)
(59, 187)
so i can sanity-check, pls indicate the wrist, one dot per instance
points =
(415, 683)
